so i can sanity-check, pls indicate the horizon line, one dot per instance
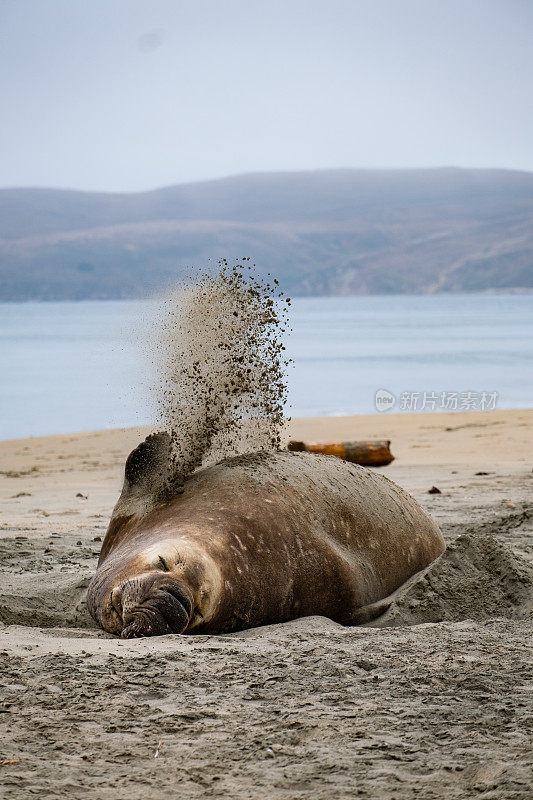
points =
(254, 173)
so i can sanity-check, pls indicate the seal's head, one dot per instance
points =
(134, 592)
(135, 599)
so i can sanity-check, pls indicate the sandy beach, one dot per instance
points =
(431, 701)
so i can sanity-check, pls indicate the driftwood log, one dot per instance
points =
(368, 453)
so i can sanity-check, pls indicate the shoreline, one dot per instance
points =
(407, 432)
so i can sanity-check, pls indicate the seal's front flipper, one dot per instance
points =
(151, 471)
(149, 465)
(149, 478)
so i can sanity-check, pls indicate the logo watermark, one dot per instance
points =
(384, 400)
(435, 401)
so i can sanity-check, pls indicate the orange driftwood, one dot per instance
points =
(369, 454)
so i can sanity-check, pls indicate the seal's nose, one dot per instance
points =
(154, 605)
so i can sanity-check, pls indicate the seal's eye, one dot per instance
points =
(163, 564)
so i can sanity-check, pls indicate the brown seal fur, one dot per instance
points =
(255, 540)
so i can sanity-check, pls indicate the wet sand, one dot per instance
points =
(431, 704)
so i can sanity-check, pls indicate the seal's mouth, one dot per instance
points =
(154, 605)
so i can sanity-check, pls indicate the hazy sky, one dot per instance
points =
(135, 94)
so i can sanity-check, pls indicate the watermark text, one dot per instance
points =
(436, 401)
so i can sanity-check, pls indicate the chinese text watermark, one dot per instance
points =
(436, 401)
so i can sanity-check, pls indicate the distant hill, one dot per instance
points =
(324, 232)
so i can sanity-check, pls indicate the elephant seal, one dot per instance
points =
(255, 540)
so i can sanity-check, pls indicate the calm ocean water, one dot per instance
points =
(80, 366)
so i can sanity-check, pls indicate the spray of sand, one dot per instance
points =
(222, 367)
